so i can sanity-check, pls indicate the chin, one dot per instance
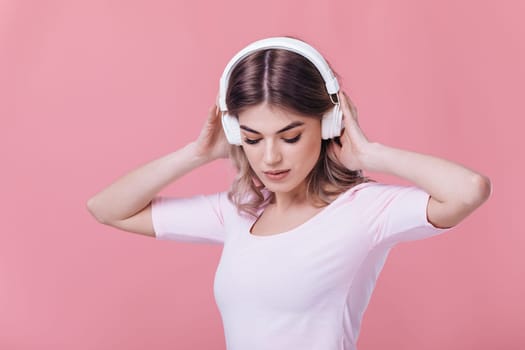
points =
(276, 187)
(280, 187)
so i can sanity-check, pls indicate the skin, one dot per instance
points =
(267, 149)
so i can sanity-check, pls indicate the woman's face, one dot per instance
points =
(277, 140)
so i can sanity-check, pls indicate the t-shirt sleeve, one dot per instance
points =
(402, 215)
(196, 219)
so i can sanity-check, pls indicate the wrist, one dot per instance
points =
(200, 158)
(372, 159)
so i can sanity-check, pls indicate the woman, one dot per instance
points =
(304, 233)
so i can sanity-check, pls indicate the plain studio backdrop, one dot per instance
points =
(90, 90)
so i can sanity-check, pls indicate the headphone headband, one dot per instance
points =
(290, 44)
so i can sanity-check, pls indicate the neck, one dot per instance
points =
(287, 200)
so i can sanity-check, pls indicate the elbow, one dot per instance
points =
(91, 208)
(481, 190)
(484, 188)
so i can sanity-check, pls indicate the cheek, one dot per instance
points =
(251, 155)
(311, 150)
(305, 156)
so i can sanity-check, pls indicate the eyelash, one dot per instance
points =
(292, 140)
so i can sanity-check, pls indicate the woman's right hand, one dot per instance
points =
(212, 143)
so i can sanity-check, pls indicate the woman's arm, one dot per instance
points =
(455, 190)
(125, 203)
(132, 192)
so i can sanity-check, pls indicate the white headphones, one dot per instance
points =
(331, 123)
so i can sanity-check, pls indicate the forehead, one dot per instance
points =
(267, 118)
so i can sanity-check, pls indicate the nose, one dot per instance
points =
(272, 153)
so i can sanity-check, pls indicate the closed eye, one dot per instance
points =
(292, 140)
(250, 142)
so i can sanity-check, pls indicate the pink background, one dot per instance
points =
(92, 89)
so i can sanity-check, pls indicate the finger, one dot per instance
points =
(213, 118)
(347, 114)
(212, 111)
(344, 104)
(351, 106)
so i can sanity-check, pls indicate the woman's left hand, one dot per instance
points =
(354, 143)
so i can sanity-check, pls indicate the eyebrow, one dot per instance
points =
(286, 128)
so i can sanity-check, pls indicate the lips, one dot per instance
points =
(275, 172)
(276, 175)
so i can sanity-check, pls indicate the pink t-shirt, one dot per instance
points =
(306, 288)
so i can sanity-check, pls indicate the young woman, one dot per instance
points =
(305, 234)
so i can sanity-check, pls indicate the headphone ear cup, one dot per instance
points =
(338, 122)
(331, 123)
(231, 128)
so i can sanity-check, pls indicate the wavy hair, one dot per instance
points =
(289, 81)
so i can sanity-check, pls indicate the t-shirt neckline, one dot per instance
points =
(306, 223)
